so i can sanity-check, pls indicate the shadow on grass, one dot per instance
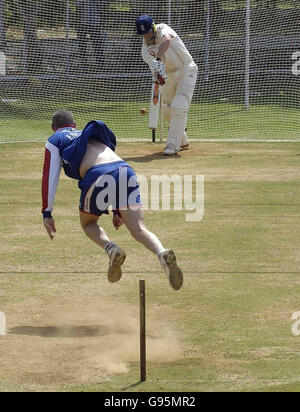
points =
(64, 331)
(150, 158)
(132, 386)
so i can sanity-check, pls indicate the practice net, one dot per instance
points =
(65, 54)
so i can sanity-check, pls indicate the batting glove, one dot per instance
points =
(159, 74)
(161, 78)
(158, 66)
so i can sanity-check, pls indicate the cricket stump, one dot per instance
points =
(142, 331)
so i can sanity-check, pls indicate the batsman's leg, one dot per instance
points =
(179, 113)
(166, 109)
(97, 234)
(186, 85)
(179, 110)
(168, 95)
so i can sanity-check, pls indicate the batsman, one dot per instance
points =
(174, 68)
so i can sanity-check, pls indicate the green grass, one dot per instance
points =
(228, 329)
(27, 120)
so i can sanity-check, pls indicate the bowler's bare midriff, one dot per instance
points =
(96, 154)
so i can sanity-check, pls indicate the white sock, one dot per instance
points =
(108, 247)
(160, 251)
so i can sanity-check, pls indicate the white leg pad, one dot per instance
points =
(179, 114)
(184, 140)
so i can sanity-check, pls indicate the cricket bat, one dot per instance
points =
(154, 107)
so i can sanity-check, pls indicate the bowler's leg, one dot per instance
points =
(89, 224)
(97, 234)
(134, 221)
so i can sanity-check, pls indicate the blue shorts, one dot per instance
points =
(110, 184)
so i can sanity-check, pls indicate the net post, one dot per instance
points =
(169, 12)
(247, 52)
(142, 331)
(207, 42)
(2, 27)
(67, 37)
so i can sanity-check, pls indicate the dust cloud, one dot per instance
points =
(66, 343)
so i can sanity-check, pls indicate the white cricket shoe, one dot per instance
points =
(117, 257)
(184, 142)
(168, 263)
(169, 151)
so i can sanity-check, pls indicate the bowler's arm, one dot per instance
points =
(51, 173)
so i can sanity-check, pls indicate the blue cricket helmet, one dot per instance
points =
(144, 24)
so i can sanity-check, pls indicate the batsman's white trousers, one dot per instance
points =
(179, 87)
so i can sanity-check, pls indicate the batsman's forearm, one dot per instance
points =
(165, 44)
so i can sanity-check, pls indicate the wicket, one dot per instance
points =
(142, 331)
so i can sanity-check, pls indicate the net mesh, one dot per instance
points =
(64, 54)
